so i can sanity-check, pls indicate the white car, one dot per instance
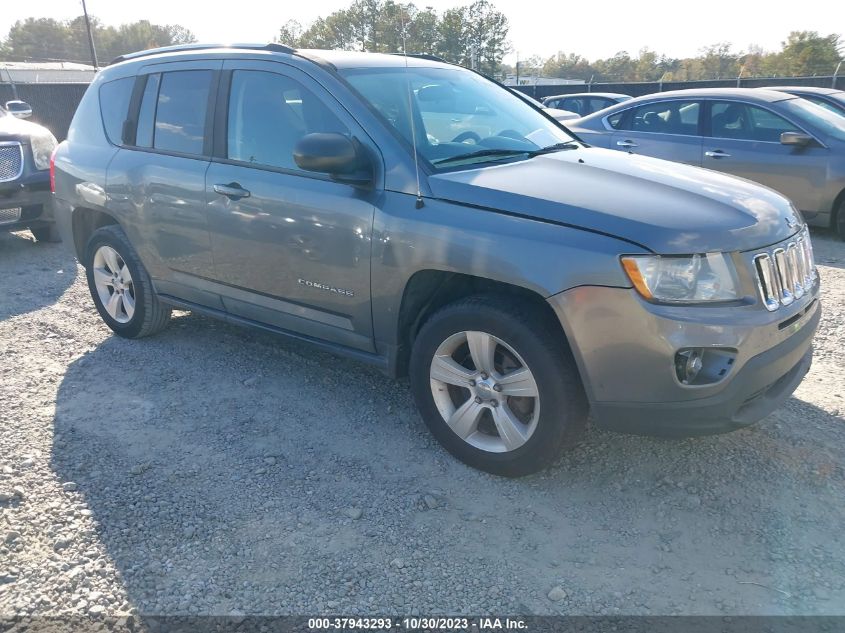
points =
(560, 115)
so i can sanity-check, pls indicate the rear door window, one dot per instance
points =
(181, 106)
(114, 106)
(664, 117)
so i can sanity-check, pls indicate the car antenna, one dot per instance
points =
(419, 203)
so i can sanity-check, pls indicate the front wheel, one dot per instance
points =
(497, 385)
(121, 287)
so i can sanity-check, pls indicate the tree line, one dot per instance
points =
(47, 39)
(473, 35)
(802, 54)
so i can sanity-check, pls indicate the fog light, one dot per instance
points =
(696, 366)
(687, 365)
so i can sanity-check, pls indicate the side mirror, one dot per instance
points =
(19, 109)
(339, 156)
(795, 138)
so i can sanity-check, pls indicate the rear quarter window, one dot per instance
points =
(114, 107)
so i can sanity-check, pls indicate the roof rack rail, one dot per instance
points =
(428, 56)
(278, 48)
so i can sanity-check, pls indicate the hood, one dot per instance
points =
(14, 129)
(668, 207)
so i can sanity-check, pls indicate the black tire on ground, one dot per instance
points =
(537, 339)
(150, 316)
(47, 233)
(839, 221)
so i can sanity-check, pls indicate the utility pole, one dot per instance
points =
(90, 36)
(517, 68)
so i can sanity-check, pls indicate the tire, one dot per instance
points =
(523, 337)
(839, 221)
(48, 233)
(147, 315)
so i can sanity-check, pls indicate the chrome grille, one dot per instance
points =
(786, 273)
(11, 161)
(10, 215)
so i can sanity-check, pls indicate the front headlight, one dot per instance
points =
(683, 279)
(42, 147)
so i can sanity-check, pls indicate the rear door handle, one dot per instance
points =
(232, 190)
(626, 144)
(717, 154)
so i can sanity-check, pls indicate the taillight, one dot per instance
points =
(53, 170)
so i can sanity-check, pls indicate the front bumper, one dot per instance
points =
(30, 192)
(625, 350)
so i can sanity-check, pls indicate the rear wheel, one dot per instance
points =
(497, 386)
(48, 233)
(120, 286)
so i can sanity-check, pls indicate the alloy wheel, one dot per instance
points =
(485, 391)
(114, 284)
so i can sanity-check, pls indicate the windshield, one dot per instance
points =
(828, 122)
(460, 118)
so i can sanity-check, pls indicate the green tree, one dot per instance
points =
(451, 42)
(719, 62)
(808, 53)
(46, 39)
(472, 35)
(40, 39)
(291, 34)
(568, 66)
(423, 34)
(487, 31)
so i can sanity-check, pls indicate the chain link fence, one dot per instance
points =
(638, 89)
(53, 104)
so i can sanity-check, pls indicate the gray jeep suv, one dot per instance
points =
(420, 217)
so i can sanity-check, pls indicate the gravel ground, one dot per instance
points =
(215, 470)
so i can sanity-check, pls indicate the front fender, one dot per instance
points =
(536, 255)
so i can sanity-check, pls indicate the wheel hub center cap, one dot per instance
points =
(485, 390)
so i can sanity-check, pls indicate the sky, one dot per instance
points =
(593, 30)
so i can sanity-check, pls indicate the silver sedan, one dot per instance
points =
(773, 138)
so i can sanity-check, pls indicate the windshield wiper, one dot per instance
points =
(482, 153)
(506, 153)
(555, 148)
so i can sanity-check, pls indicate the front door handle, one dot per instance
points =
(626, 144)
(717, 154)
(232, 190)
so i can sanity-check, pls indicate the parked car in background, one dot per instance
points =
(25, 150)
(772, 138)
(585, 103)
(833, 100)
(557, 113)
(519, 282)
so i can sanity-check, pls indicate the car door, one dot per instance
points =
(291, 247)
(667, 129)
(158, 176)
(744, 140)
